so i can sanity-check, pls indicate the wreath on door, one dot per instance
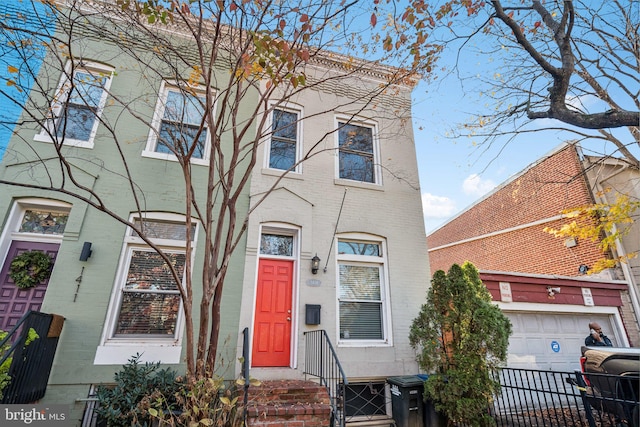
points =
(30, 268)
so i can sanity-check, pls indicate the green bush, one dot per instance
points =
(127, 403)
(462, 338)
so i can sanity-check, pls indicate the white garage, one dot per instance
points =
(551, 340)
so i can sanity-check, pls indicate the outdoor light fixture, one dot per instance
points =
(315, 264)
(86, 251)
(552, 291)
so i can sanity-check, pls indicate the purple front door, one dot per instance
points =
(14, 302)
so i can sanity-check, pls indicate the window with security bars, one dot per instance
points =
(361, 291)
(365, 400)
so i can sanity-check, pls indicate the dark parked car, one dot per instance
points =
(612, 379)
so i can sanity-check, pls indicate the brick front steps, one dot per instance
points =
(288, 403)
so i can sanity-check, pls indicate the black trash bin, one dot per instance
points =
(406, 400)
(431, 417)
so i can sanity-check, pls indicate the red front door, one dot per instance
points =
(272, 328)
(14, 302)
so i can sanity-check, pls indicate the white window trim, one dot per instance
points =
(118, 350)
(382, 261)
(292, 108)
(10, 229)
(61, 96)
(158, 115)
(377, 170)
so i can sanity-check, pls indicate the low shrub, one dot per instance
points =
(145, 395)
(127, 403)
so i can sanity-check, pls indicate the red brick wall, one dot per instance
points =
(542, 192)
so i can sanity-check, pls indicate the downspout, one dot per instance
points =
(631, 282)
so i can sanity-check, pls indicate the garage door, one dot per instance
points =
(552, 341)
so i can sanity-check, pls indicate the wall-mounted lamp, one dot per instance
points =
(315, 264)
(552, 291)
(86, 251)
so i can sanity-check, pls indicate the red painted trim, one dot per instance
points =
(553, 281)
(534, 290)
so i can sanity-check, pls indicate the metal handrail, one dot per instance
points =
(321, 361)
(10, 335)
(245, 372)
(30, 364)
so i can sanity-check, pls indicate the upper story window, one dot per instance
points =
(357, 148)
(362, 291)
(178, 125)
(80, 99)
(284, 146)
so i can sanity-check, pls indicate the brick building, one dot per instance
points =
(503, 235)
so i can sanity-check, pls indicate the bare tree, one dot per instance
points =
(228, 65)
(575, 62)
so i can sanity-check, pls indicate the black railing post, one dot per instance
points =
(582, 387)
(245, 372)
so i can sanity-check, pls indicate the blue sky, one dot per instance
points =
(455, 173)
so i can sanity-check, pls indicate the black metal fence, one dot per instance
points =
(30, 363)
(572, 399)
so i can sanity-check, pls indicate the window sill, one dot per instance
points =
(119, 354)
(359, 184)
(43, 137)
(278, 173)
(172, 158)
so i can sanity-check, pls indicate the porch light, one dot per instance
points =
(315, 264)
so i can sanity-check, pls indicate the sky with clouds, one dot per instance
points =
(456, 173)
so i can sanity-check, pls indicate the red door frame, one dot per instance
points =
(272, 330)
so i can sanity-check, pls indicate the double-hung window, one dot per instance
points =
(79, 102)
(362, 291)
(284, 143)
(146, 305)
(357, 152)
(179, 126)
(150, 297)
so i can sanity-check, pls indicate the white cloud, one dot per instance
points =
(437, 206)
(582, 103)
(476, 186)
